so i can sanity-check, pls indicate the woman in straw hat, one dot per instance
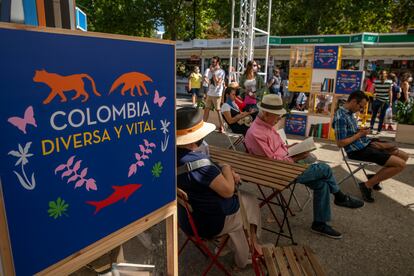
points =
(211, 189)
(262, 139)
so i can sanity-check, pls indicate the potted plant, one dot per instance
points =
(405, 119)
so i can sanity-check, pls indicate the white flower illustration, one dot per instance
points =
(164, 144)
(23, 155)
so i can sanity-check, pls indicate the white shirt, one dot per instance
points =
(226, 107)
(213, 90)
(206, 73)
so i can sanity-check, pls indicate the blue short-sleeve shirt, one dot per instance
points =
(209, 208)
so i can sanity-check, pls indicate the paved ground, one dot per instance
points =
(378, 238)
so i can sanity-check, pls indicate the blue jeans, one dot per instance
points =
(376, 106)
(320, 179)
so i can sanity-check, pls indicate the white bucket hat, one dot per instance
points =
(272, 103)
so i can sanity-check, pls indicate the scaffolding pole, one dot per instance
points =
(246, 33)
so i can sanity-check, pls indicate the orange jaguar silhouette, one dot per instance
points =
(131, 81)
(60, 84)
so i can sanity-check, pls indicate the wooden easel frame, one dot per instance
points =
(79, 259)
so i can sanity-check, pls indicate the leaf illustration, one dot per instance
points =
(157, 169)
(146, 142)
(72, 178)
(67, 173)
(142, 148)
(14, 153)
(33, 181)
(27, 147)
(23, 183)
(132, 169)
(84, 172)
(137, 156)
(140, 163)
(77, 165)
(90, 184)
(57, 208)
(59, 168)
(144, 156)
(20, 148)
(152, 145)
(79, 183)
(148, 151)
(70, 161)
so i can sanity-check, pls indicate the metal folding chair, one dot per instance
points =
(282, 135)
(199, 242)
(360, 165)
(239, 138)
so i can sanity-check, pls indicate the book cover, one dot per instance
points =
(305, 146)
(300, 79)
(5, 10)
(348, 81)
(296, 124)
(301, 57)
(325, 130)
(310, 133)
(319, 131)
(326, 57)
(30, 12)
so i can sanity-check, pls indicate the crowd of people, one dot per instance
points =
(249, 111)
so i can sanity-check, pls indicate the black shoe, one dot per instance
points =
(350, 202)
(326, 230)
(377, 187)
(366, 192)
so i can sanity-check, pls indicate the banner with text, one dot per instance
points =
(88, 139)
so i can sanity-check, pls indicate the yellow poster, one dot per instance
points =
(300, 79)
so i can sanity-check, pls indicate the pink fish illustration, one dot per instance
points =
(21, 123)
(121, 192)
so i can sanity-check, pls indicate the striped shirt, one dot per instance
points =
(382, 90)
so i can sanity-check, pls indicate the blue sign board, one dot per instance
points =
(296, 124)
(81, 20)
(348, 81)
(88, 139)
(326, 57)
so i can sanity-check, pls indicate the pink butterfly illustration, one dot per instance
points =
(159, 100)
(21, 123)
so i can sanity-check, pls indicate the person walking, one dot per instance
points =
(406, 80)
(251, 86)
(382, 99)
(194, 84)
(274, 83)
(215, 78)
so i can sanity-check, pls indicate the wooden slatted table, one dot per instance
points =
(292, 260)
(264, 172)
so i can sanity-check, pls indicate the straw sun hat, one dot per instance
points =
(272, 103)
(190, 126)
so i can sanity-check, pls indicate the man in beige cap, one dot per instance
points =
(262, 139)
(211, 189)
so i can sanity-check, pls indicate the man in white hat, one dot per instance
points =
(262, 139)
(211, 189)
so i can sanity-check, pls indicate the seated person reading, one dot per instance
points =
(238, 122)
(211, 189)
(262, 139)
(360, 147)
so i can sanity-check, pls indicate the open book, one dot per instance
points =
(305, 146)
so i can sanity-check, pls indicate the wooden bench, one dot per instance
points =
(279, 176)
(292, 260)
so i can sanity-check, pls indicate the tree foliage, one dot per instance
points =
(213, 17)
